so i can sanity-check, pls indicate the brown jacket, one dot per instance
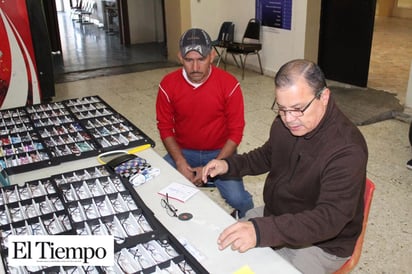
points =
(314, 190)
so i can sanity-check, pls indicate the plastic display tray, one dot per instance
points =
(21, 147)
(93, 201)
(41, 135)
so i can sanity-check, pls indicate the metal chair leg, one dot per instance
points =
(234, 58)
(225, 62)
(260, 63)
(243, 66)
(220, 57)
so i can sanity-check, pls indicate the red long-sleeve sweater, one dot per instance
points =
(203, 117)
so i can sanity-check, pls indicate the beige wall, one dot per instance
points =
(384, 8)
(394, 8)
(177, 22)
(279, 46)
(312, 30)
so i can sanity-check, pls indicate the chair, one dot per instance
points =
(250, 45)
(354, 259)
(85, 11)
(75, 7)
(225, 37)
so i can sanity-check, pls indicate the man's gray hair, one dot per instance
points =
(293, 70)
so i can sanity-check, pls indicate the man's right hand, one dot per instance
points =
(186, 170)
(214, 168)
(194, 175)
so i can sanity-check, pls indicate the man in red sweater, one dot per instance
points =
(200, 117)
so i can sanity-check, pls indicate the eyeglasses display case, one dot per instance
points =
(41, 135)
(21, 146)
(92, 201)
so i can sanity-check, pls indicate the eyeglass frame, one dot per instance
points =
(169, 207)
(297, 112)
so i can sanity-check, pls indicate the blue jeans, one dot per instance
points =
(232, 190)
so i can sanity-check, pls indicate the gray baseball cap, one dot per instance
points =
(195, 40)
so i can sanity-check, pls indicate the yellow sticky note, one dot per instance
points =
(244, 270)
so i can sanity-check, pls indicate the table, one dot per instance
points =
(201, 232)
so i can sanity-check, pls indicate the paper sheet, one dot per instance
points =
(179, 191)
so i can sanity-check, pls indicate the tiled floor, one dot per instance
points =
(391, 56)
(388, 242)
(91, 50)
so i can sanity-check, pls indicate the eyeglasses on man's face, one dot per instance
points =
(295, 112)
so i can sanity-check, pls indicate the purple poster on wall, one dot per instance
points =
(274, 13)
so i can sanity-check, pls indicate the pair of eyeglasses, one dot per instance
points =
(154, 252)
(144, 224)
(185, 267)
(138, 256)
(52, 226)
(130, 225)
(123, 262)
(170, 209)
(170, 251)
(296, 112)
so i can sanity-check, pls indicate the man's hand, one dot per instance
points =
(193, 174)
(186, 170)
(214, 168)
(197, 172)
(240, 236)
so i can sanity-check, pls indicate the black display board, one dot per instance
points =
(92, 201)
(47, 134)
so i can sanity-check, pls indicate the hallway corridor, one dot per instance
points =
(86, 49)
(391, 55)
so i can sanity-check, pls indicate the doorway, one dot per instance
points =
(345, 45)
(96, 42)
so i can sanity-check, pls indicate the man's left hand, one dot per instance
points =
(240, 236)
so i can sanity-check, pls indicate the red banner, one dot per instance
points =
(19, 84)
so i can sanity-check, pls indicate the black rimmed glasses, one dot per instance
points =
(5, 237)
(4, 219)
(170, 209)
(30, 210)
(170, 251)
(124, 263)
(75, 213)
(45, 208)
(185, 267)
(138, 256)
(52, 226)
(144, 224)
(57, 203)
(295, 112)
(128, 199)
(90, 211)
(117, 206)
(36, 229)
(81, 269)
(154, 253)
(130, 227)
(64, 220)
(24, 193)
(116, 231)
